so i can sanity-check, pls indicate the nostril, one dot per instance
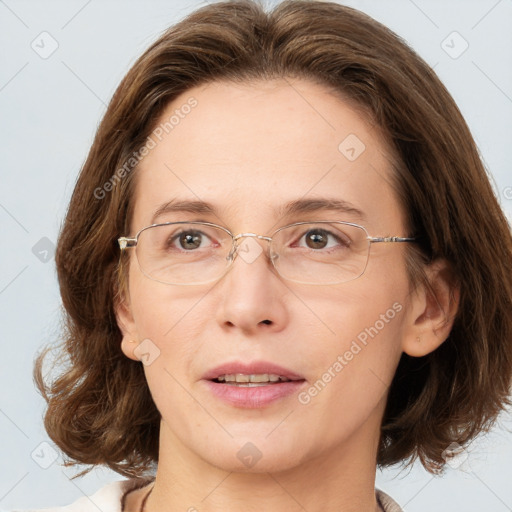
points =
(266, 322)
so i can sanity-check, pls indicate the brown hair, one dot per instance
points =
(99, 408)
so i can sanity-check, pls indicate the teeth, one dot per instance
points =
(240, 377)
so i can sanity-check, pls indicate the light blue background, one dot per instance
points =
(50, 109)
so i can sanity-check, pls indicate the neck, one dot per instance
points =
(338, 479)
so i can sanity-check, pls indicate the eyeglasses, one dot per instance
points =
(191, 253)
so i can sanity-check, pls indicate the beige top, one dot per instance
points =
(111, 497)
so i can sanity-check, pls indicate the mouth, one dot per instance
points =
(252, 380)
(252, 385)
(256, 372)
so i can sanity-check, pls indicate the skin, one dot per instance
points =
(249, 149)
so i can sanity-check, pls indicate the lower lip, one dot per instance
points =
(254, 397)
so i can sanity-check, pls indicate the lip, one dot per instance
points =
(256, 367)
(253, 397)
(257, 396)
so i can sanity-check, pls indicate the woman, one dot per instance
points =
(282, 265)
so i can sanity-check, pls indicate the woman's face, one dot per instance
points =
(248, 150)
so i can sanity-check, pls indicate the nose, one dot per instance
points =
(251, 293)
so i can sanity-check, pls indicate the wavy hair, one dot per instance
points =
(99, 408)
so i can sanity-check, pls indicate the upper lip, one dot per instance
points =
(254, 368)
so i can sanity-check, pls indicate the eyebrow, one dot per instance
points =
(292, 208)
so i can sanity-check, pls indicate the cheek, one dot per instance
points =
(159, 310)
(362, 336)
(367, 312)
(170, 323)
(353, 369)
(358, 342)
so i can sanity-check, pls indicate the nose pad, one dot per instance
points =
(230, 256)
(233, 253)
(274, 260)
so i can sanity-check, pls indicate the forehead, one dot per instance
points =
(248, 149)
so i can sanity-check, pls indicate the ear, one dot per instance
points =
(433, 310)
(126, 323)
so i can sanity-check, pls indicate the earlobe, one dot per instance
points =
(126, 325)
(128, 347)
(433, 310)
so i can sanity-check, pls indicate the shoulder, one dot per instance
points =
(387, 503)
(106, 499)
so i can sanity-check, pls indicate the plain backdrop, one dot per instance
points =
(60, 64)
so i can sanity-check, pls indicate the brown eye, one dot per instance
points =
(188, 240)
(318, 238)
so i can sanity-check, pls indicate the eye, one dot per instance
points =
(319, 238)
(189, 240)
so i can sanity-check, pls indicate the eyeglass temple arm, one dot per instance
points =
(125, 242)
(377, 239)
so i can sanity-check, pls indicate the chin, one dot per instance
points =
(254, 456)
